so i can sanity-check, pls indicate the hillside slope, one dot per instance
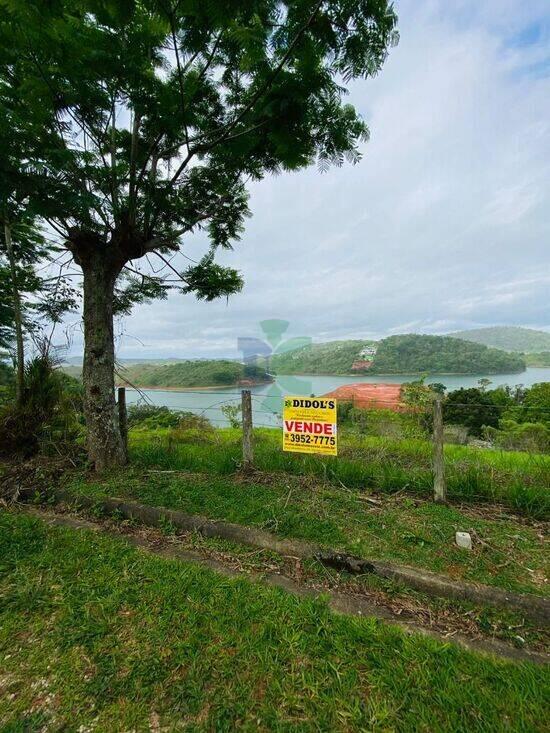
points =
(508, 338)
(418, 354)
(208, 373)
(333, 357)
(540, 359)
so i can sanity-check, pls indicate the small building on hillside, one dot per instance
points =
(368, 352)
(381, 396)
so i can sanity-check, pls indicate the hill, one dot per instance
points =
(508, 338)
(182, 374)
(212, 373)
(333, 357)
(417, 354)
(540, 359)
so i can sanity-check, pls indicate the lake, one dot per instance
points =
(267, 398)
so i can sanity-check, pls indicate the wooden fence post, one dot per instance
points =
(123, 420)
(440, 490)
(248, 454)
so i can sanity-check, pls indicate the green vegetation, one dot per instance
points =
(540, 359)
(418, 354)
(400, 528)
(180, 110)
(514, 419)
(403, 354)
(534, 405)
(152, 417)
(47, 415)
(334, 357)
(95, 634)
(7, 374)
(527, 436)
(508, 338)
(208, 373)
(518, 480)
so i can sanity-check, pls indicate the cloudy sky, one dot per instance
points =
(445, 222)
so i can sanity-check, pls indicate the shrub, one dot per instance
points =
(472, 408)
(47, 415)
(381, 423)
(192, 421)
(7, 374)
(191, 428)
(531, 437)
(534, 407)
(232, 415)
(152, 417)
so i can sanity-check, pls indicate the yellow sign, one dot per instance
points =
(309, 425)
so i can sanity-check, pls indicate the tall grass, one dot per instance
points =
(520, 481)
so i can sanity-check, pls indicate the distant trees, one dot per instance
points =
(418, 354)
(143, 122)
(473, 408)
(511, 417)
(196, 373)
(334, 357)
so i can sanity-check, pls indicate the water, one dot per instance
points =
(267, 398)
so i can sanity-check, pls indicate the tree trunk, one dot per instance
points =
(17, 317)
(105, 447)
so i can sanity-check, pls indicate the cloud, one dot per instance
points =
(443, 224)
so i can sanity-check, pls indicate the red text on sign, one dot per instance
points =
(316, 428)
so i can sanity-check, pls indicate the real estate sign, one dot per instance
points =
(309, 425)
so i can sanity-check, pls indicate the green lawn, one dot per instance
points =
(519, 480)
(95, 635)
(403, 529)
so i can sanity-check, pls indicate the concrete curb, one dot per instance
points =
(533, 607)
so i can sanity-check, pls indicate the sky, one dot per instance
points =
(443, 225)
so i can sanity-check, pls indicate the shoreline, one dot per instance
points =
(405, 374)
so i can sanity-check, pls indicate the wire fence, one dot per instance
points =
(380, 443)
(267, 409)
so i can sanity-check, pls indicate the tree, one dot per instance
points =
(534, 406)
(473, 408)
(29, 300)
(22, 244)
(156, 114)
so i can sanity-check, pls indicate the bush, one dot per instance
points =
(232, 415)
(48, 414)
(191, 428)
(152, 417)
(7, 374)
(381, 423)
(534, 407)
(192, 421)
(531, 437)
(472, 408)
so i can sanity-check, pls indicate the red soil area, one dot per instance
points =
(371, 396)
(361, 364)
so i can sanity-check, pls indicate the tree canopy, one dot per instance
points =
(418, 353)
(143, 122)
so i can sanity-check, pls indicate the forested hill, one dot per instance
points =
(333, 357)
(208, 373)
(417, 354)
(508, 338)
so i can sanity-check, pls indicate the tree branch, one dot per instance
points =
(255, 98)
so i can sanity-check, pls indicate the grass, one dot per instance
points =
(519, 480)
(402, 529)
(95, 635)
